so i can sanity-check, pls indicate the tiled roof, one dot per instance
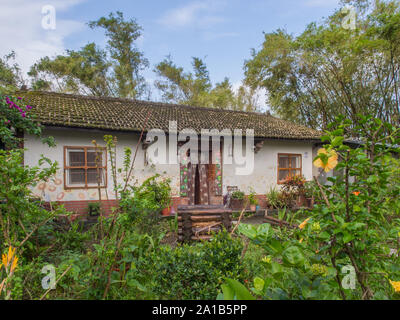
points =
(57, 109)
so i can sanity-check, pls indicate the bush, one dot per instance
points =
(143, 203)
(238, 195)
(197, 271)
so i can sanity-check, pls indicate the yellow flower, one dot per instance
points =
(266, 260)
(395, 285)
(301, 240)
(332, 160)
(304, 223)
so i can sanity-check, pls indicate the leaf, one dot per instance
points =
(337, 141)
(258, 283)
(276, 268)
(347, 237)
(293, 256)
(227, 292)
(241, 292)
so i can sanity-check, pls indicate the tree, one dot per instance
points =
(195, 88)
(127, 60)
(84, 71)
(114, 71)
(329, 69)
(10, 74)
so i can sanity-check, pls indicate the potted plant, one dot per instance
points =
(274, 199)
(309, 190)
(253, 201)
(237, 200)
(164, 196)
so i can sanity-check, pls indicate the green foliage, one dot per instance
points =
(238, 195)
(357, 226)
(83, 71)
(10, 73)
(143, 203)
(15, 118)
(127, 60)
(197, 271)
(195, 88)
(17, 201)
(252, 198)
(273, 198)
(115, 71)
(329, 70)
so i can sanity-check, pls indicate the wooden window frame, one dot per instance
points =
(85, 167)
(290, 164)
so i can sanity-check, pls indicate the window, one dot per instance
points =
(288, 165)
(85, 167)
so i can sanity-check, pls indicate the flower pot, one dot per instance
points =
(166, 211)
(253, 207)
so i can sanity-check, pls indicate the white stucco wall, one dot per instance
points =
(263, 177)
(54, 190)
(265, 171)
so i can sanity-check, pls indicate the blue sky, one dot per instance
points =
(220, 31)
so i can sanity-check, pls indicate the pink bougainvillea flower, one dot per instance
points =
(23, 115)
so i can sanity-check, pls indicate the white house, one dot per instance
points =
(279, 148)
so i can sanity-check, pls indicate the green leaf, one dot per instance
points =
(258, 283)
(241, 292)
(228, 292)
(293, 256)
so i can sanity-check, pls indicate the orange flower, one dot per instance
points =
(332, 160)
(356, 193)
(9, 257)
(304, 223)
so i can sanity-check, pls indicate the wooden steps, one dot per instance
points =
(197, 223)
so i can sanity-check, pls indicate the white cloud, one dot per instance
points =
(201, 14)
(21, 29)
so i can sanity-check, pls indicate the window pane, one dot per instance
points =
(92, 176)
(295, 161)
(283, 162)
(283, 174)
(76, 176)
(76, 158)
(91, 158)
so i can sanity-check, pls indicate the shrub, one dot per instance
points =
(197, 271)
(238, 195)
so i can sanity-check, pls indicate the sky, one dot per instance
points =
(222, 32)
